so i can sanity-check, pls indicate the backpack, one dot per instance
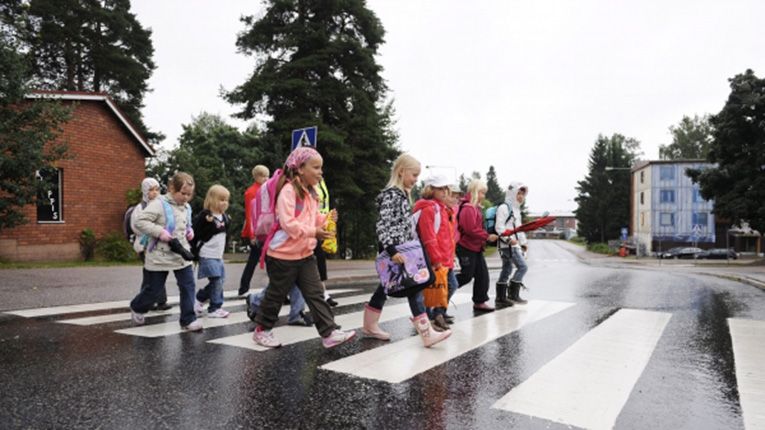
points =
(127, 229)
(263, 206)
(490, 219)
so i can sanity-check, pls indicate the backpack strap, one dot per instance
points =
(169, 220)
(274, 228)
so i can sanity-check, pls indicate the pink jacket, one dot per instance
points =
(297, 237)
(472, 235)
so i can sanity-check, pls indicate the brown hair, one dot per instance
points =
(178, 180)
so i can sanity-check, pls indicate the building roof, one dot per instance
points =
(643, 163)
(91, 96)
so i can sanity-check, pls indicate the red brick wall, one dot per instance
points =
(105, 162)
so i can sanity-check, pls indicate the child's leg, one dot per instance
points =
(481, 280)
(378, 298)
(467, 265)
(282, 275)
(310, 285)
(520, 264)
(507, 266)
(257, 298)
(186, 286)
(215, 291)
(203, 294)
(416, 304)
(155, 282)
(297, 304)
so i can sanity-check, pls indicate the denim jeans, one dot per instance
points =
(520, 265)
(453, 285)
(213, 292)
(297, 303)
(416, 301)
(156, 284)
(507, 265)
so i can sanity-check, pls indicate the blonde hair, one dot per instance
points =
(260, 171)
(402, 163)
(474, 187)
(215, 195)
(176, 183)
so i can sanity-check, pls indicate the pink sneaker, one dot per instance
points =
(337, 337)
(199, 308)
(265, 338)
(219, 313)
(195, 325)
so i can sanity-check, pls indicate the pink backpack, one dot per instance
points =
(264, 222)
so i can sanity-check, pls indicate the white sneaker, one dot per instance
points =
(195, 325)
(265, 338)
(199, 308)
(219, 313)
(137, 318)
(337, 337)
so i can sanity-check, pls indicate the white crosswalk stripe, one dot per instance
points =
(288, 335)
(384, 363)
(748, 338)
(588, 384)
(172, 327)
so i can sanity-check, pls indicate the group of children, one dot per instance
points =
(448, 226)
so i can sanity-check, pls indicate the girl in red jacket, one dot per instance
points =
(434, 227)
(471, 244)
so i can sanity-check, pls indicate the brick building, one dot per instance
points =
(106, 158)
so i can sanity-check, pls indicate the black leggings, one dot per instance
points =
(473, 267)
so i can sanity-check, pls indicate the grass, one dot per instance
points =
(63, 264)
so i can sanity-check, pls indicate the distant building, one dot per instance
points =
(667, 210)
(106, 158)
(564, 226)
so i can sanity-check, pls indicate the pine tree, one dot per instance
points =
(737, 181)
(494, 192)
(604, 195)
(316, 66)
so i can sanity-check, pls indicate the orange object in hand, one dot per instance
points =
(436, 295)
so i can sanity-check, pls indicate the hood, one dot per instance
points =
(422, 203)
(512, 192)
(146, 185)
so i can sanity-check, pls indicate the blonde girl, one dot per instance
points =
(211, 227)
(471, 244)
(289, 253)
(394, 227)
(164, 220)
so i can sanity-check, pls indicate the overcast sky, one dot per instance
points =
(525, 86)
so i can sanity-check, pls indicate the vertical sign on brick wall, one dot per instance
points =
(49, 202)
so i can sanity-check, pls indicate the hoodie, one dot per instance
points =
(509, 216)
(470, 224)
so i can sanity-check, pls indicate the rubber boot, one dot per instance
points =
(515, 290)
(370, 327)
(502, 301)
(429, 336)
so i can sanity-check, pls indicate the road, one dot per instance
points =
(596, 347)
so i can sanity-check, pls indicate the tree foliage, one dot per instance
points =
(213, 152)
(495, 194)
(27, 133)
(691, 139)
(604, 195)
(90, 45)
(737, 180)
(316, 66)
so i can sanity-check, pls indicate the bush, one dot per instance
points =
(114, 247)
(600, 248)
(577, 239)
(88, 244)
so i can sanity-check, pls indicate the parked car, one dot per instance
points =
(680, 252)
(718, 254)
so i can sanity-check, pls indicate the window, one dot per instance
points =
(700, 219)
(697, 196)
(666, 219)
(666, 173)
(49, 202)
(667, 196)
(642, 219)
(641, 198)
(642, 176)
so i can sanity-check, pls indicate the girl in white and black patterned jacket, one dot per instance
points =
(394, 227)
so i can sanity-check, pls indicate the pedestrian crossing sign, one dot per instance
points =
(304, 137)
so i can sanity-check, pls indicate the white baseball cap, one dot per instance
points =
(437, 181)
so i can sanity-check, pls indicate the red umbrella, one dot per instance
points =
(530, 226)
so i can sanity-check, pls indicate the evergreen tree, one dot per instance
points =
(604, 195)
(213, 152)
(27, 133)
(94, 45)
(691, 139)
(737, 181)
(495, 194)
(316, 66)
(463, 183)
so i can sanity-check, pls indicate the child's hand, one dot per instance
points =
(190, 234)
(513, 242)
(322, 234)
(398, 258)
(491, 238)
(165, 236)
(333, 215)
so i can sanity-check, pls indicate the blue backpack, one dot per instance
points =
(490, 219)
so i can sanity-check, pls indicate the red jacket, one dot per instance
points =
(438, 244)
(249, 196)
(472, 235)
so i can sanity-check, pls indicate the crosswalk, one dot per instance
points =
(587, 385)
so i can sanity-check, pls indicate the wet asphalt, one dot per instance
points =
(63, 376)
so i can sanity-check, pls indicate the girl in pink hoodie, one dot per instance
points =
(289, 257)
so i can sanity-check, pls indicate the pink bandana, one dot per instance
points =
(300, 156)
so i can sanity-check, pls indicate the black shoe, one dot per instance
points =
(330, 301)
(286, 300)
(162, 307)
(449, 319)
(250, 310)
